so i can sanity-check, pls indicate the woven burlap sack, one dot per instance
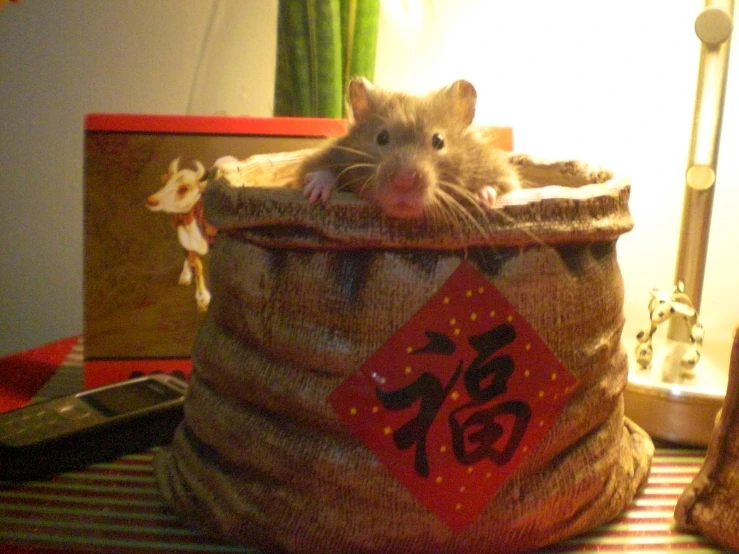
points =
(710, 504)
(302, 295)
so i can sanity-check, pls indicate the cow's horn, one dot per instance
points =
(201, 170)
(174, 166)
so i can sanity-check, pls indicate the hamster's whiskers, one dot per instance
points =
(355, 166)
(351, 183)
(448, 210)
(472, 202)
(351, 150)
(367, 182)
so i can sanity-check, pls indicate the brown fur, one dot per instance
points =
(446, 181)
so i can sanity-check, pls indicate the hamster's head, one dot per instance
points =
(410, 145)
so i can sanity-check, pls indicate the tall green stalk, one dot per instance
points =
(360, 38)
(321, 44)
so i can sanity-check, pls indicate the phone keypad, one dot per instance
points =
(45, 421)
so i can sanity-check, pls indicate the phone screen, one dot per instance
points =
(130, 398)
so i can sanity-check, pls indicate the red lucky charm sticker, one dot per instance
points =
(456, 399)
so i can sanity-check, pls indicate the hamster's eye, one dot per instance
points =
(383, 138)
(437, 141)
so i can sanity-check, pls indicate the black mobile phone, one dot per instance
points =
(97, 425)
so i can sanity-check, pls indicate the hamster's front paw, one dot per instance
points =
(488, 195)
(319, 184)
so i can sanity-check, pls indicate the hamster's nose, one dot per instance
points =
(406, 179)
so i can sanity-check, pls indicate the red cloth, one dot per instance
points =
(24, 373)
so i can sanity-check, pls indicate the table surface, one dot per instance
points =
(116, 507)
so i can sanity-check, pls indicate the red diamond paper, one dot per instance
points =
(456, 399)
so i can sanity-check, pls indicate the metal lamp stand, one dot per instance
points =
(673, 391)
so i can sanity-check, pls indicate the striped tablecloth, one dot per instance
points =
(116, 507)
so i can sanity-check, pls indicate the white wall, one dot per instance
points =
(609, 82)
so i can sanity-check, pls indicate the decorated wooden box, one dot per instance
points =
(147, 259)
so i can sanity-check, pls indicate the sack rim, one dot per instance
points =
(574, 202)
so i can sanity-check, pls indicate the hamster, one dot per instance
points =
(413, 156)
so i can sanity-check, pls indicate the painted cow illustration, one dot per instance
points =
(181, 198)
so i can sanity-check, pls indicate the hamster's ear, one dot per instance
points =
(359, 99)
(463, 98)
